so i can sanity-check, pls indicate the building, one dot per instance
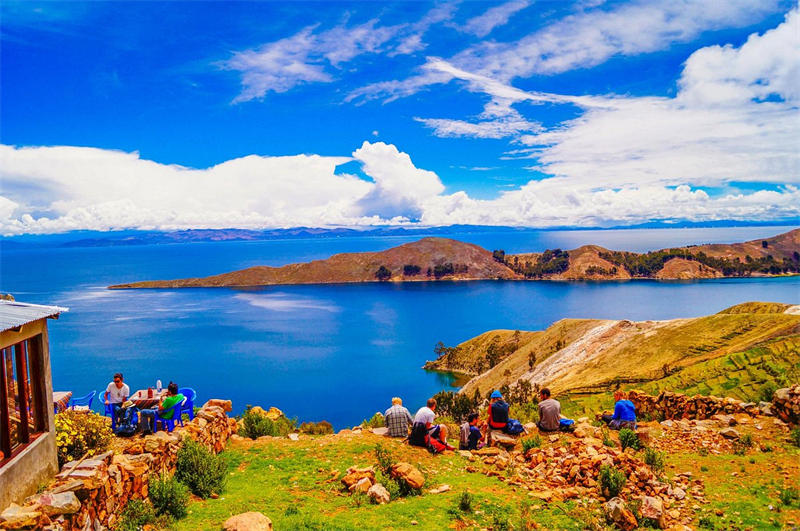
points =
(27, 425)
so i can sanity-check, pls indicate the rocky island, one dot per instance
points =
(447, 259)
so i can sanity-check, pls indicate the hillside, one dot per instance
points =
(446, 259)
(426, 259)
(584, 355)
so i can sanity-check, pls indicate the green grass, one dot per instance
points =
(274, 476)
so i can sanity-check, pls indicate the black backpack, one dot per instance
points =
(419, 435)
(127, 424)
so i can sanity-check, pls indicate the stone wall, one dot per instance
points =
(786, 404)
(670, 405)
(91, 494)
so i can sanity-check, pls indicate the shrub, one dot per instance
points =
(200, 470)
(79, 433)
(168, 496)
(788, 496)
(795, 437)
(465, 502)
(137, 514)
(629, 439)
(767, 390)
(534, 441)
(655, 460)
(322, 427)
(375, 422)
(607, 440)
(255, 424)
(611, 481)
(706, 522)
(742, 444)
(384, 457)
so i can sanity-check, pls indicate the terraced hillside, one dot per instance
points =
(586, 356)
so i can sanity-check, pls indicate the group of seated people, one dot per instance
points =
(474, 433)
(117, 396)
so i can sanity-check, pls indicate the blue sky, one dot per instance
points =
(274, 114)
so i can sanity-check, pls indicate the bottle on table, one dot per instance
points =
(158, 386)
(149, 392)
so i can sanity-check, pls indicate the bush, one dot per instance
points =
(795, 437)
(137, 514)
(200, 470)
(255, 424)
(788, 496)
(611, 481)
(629, 439)
(655, 460)
(322, 427)
(375, 422)
(742, 444)
(168, 496)
(767, 390)
(534, 441)
(465, 502)
(79, 433)
(607, 440)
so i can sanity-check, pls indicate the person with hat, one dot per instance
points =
(498, 411)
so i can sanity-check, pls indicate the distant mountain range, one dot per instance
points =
(137, 237)
(446, 259)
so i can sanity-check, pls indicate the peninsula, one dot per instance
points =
(447, 259)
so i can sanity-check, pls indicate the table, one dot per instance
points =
(142, 401)
(61, 400)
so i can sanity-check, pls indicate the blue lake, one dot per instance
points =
(334, 352)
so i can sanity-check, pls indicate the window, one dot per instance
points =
(22, 411)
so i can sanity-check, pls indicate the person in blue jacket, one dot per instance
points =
(624, 412)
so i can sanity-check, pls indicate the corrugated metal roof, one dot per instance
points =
(14, 314)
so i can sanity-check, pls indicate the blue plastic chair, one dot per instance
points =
(188, 406)
(83, 401)
(169, 424)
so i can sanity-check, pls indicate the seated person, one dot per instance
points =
(423, 425)
(147, 417)
(498, 411)
(549, 412)
(624, 413)
(397, 419)
(470, 436)
(116, 393)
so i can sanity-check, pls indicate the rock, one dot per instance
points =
(15, 516)
(619, 514)
(226, 405)
(408, 473)
(294, 437)
(60, 503)
(503, 439)
(378, 494)
(345, 431)
(544, 494)
(678, 493)
(729, 433)
(151, 444)
(765, 408)
(488, 451)
(644, 436)
(466, 454)
(440, 489)
(529, 426)
(652, 508)
(553, 438)
(354, 475)
(725, 420)
(380, 431)
(667, 424)
(237, 438)
(251, 521)
(584, 429)
(362, 485)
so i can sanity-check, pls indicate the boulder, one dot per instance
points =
(354, 475)
(652, 508)
(440, 489)
(408, 473)
(293, 437)
(619, 514)
(729, 433)
(678, 493)
(60, 503)
(488, 450)
(380, 431)
(251, 521)
(14, 517)
(503, 439)
(378, 494)
(226, 405)
(362, 485)
(584, 429)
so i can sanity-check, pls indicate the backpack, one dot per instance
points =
(567, 425)
(435, 446)
(419, 435)
(127, 424)
(514, 427)
(498, 415)
(463, 436)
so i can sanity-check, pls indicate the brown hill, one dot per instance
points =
(435, 258)
(780, 246)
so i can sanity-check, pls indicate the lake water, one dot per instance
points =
(335, 352)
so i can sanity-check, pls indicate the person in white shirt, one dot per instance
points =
(426, 416)
(116, 393)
